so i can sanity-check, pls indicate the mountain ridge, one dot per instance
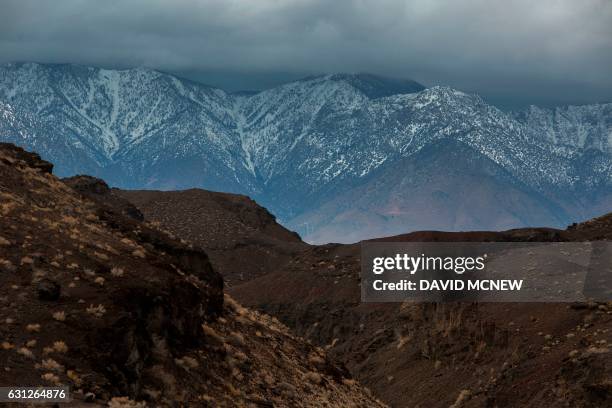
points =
(294, 147)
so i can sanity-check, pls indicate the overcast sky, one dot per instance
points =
(511, 52)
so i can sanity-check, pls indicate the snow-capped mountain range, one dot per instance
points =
(302, 147)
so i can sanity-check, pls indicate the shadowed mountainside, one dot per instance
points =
(241, 238)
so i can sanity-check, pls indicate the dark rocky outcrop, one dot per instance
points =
(21, 157)
(98, 190)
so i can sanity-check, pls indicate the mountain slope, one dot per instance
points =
(426, 193)
(241, 238)
(302, 145)
(129, 125)
(108, 305)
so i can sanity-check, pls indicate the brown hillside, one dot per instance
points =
(431, 355)
(242, 239)
(436, 354)
(95, 299)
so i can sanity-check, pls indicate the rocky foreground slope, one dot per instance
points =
(93, 298)
(428, 355)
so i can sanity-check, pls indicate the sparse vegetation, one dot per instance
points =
(117, 272)
(26, 352)
(60, 316)
(51, 365)
(33, 327)
(97, 311)
(62, 241)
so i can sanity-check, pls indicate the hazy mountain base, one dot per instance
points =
(445, 186)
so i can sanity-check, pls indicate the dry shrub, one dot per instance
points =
(138, 253)
(97, 311)
(33, 327)
(212, 336)
(26, 260)
(316, 360)
(313, 377)
(26, 352)
(117, 272)
(187, 362)
(236, 339)
(52, 365)
(125, 402)
(60, 316)
(74, 377)
(51, 378)
(57, 347)
(462, 398)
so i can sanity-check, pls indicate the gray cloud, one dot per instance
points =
(542, 51)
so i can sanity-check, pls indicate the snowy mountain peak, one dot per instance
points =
(374, 86)
(293, 146)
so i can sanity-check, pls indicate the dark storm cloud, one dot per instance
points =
(547, 49)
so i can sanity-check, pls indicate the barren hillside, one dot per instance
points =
(97, 300)
(413, 354)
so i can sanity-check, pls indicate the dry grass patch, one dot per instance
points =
(117, 272)
(26, 352)
(33, 327)
(59, 316)
(52, 365)
(97, 311)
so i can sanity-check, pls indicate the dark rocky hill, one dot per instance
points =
(242, 238)
(93, 298)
